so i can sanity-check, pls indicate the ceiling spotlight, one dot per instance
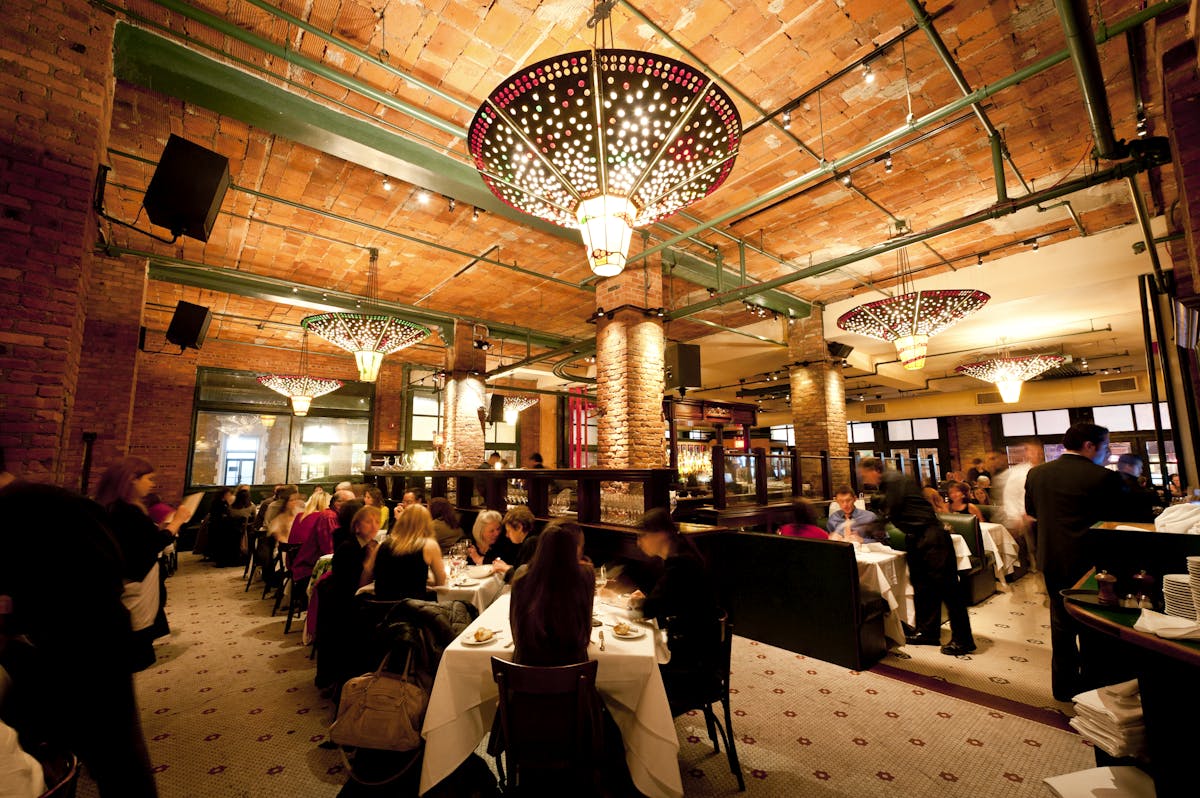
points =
(979, 260)
(387, 184)
(712, 292)
(423, 197)
(453, 204)
(846, 179)
(868, 75)
(482, 343)
(1142, 129)
(660, 312)
(474, 214)
(1035, 245)
(787, 120)
(887, 164)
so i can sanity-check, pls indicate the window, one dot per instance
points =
(925, 429)
(1118, 418)
(860, 432)
(1144, 415)
(245, 433)
(1052, 422)
(899, 430)
(784, 433)
(1017, 424)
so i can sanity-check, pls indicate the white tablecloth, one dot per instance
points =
(463, 703)
(481, 594)
(886, 572)
(962, 552)
(1003, 545)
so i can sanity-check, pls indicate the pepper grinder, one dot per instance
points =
(1108, 591)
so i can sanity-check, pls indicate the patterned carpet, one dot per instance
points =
(230, 710)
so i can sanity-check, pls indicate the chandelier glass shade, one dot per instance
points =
(513, 405)
(300, 388)
(605, 141)
(1010, 373)
(909, 319)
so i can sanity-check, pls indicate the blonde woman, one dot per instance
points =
(306, 521)
(490, 542)
(406, 557)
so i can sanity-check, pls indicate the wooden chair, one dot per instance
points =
(61, 772)
(550, 728)
(704, 682)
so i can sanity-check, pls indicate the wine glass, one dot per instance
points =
(601, 577)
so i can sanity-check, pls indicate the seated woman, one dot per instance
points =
(306, 521)
(445, 523)
(518, 526)
(684, 602)
(551, 609)
(805, 523)
(933, 495)
(224, 530)
(373, 497)
(354, 560)
(982, 492)
(959, 501)
(490, 543)
(406, 557)
(343, 633)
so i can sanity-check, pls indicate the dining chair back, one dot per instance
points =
(550, 726)
(62, 774)
(703, 681)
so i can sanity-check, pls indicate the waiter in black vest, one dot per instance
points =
(932, 566)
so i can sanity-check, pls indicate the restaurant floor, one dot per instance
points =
(230, 710)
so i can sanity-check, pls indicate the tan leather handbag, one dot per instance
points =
(380, 710)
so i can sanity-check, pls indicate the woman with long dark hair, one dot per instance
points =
(551, 609)
(121, 492)
(445, 523)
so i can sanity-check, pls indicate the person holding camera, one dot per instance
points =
(932, 566)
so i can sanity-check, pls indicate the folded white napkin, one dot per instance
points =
(1178, 518)
(1126, 781)
(1127, 689)
(1106, 723)
(1112, 744)
(1168, 626)
(1097, 703)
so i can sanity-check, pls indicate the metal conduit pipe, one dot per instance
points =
(290, 56)
(1145, 287)
(1143, 220)
(1117, 172)
(1077, 25)
(882, 143)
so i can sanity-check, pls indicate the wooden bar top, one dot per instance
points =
(1119, 624)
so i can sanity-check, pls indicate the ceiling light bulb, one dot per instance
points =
(887, 165)
(787, 120)
(423, 197)
(474, 214)
(387, 184)
(453, 204)
(846, 179)
(868, 75)
(978, 260)
(1035, 246)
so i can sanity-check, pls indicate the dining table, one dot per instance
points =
(1004, 547)
(884, 570)
(462, 704)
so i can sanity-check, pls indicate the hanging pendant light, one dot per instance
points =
(911, 318)
(605, 141)
(513, 405)
(369, 335)
(300, 388)
(1010, 373)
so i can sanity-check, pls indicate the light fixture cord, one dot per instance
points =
(907, 86)
(304, 354)
(821, 124)
(373, 282)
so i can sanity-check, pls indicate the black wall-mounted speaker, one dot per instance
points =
(187, 188)
(682, 363)
(189, 325)
(838, 350)
(496, 409)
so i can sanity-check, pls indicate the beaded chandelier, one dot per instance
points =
(300, 388)
(605, 141)
(911, 318)
(1010, 373)
(368, 335)
(513, 405)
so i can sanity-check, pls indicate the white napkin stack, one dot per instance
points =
(1179, 518)
(1129, 782)
(1111, 718)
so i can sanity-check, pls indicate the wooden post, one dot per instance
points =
(718, 477)
(797, 482)
(826, 475)
(760, 475)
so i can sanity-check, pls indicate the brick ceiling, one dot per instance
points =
(305, 216)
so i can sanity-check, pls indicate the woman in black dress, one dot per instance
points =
(406, 557)
(121, 491)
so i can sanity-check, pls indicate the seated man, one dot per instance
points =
(852, 523)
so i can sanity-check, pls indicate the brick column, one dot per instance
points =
(55, 110)
(465, 397)
(818, 395)
(629, 371)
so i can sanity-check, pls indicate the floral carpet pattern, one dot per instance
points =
(230, 710)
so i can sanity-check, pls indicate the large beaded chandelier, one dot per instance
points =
(369, 335)
(514, 404)
(605, 141)
(1010, 373)
(300, 388)
(911, 318)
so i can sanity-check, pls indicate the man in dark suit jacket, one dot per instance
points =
(1066, 496)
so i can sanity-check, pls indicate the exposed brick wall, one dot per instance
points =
(630, 351)
(970, 437)
(108, 364)
(389, 404)
(55, 106)
(818, 395)
(465, 395)
(1181, 92)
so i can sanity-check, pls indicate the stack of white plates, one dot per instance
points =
(1194, 581)
(1177, 594)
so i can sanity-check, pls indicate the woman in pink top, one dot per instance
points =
(805, 525)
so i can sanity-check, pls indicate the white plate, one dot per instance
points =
(469, 640)
(464, 583)
(480, 571)
(634, 633)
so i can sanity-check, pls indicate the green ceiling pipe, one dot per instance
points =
(884, 142)
(1077, 25)
(1117, 172)
(233, 31)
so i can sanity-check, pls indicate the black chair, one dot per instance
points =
(979, 582)
(550, 726)
(703, 680)
(61, 771)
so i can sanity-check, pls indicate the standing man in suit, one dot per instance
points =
(1065, 497)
